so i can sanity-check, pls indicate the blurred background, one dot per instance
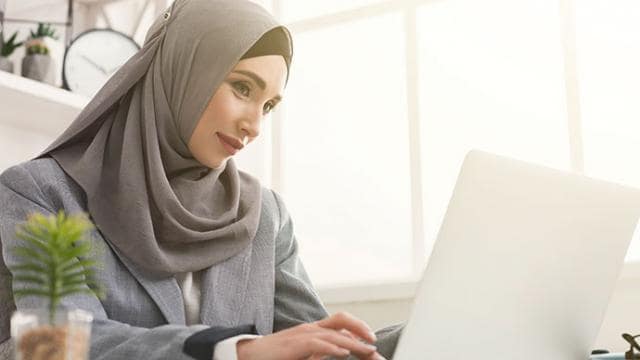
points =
(384, 100)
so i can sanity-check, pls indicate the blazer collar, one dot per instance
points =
(165, 292)
(223, 288)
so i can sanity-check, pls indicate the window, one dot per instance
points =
(449, 76)
(495, 83)
(345, 156)
(294, 10)
(608, 53)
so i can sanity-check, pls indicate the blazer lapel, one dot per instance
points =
(223, 288)
(165, 292)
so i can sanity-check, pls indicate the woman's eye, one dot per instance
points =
(268, 107)
(242, 88)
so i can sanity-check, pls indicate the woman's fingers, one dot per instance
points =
(337, 336)
(325, 357)
(324, 348)
(374, 356)
(355, 346)
(348, 333)
(343, 320)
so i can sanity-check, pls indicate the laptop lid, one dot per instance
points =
(524, 264)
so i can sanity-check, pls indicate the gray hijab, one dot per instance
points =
(146, 193)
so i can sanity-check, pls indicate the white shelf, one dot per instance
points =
(34, 106)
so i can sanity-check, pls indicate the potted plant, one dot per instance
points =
(37, 63)
(55, 263)
(7, 47)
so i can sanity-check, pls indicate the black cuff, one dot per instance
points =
(200, 345)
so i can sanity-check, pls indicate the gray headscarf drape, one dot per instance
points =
(146, 193)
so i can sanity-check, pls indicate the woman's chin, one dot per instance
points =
(213, 161)
(218, 164)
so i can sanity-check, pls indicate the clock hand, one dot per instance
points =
(94, 64)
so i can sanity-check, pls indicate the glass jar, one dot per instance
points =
(38, 336)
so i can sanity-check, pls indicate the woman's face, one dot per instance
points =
(234, 115)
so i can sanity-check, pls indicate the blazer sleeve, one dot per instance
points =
(20, 195)
(296, 301)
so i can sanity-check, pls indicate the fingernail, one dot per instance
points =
(373, 335)
(379, 357)
(371, 347)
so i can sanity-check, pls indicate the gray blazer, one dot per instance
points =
(143, 316)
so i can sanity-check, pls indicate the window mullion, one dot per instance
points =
(568, 36)
(412, 76)
(277, 129)
(352, 15)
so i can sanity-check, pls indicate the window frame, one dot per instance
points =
(405, 288)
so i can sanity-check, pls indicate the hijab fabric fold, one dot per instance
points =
(146, 193)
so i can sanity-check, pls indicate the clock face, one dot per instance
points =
(93, 57)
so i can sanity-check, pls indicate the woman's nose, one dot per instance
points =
(251, 124)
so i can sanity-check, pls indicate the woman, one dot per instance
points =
(199, 258)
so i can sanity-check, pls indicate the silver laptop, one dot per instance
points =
(524, 265)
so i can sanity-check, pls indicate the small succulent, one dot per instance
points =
(37, 48)
(7, 47)
(35, 44)
(44, 30)
(55, 258)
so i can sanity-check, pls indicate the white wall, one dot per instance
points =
(31, 116)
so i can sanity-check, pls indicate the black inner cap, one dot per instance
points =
(276, 41)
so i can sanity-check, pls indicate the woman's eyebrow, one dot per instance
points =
(261, 83)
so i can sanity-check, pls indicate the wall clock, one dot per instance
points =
(92, 57)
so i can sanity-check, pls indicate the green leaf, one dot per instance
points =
(76, 290)
(9, 46)
(36, 241)
(55, 255)
(31, 292)
(30, 267)
(80, 250)
(31, 254)
(74, 283)
(12, 38)
(99, 292)
(30, 279)
(67, 277)
(72, 265)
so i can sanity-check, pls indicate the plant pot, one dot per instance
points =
(39, 67)
(6, 64)
(36, 337)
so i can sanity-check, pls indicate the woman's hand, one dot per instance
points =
(339, 335)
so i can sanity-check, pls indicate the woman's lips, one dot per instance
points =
(230, 144)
